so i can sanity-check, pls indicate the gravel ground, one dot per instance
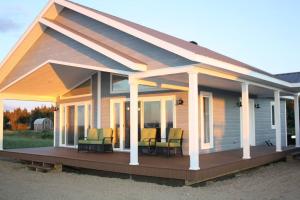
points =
(276, 181)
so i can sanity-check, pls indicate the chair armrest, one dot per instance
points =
(105, 138)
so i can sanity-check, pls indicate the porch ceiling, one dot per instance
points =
(206, 81)
(49, 80)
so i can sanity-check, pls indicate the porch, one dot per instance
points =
(213, 165)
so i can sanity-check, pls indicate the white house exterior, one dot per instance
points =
(103, 71)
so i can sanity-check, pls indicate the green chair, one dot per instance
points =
(148, 140)
(99, 140)
(174, 141)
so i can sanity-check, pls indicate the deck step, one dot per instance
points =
(44, 167)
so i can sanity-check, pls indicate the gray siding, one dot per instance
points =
(226, 117)
(150, 54)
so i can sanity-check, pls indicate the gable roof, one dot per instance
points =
(185, 49)
(197, 49)
(293, 77)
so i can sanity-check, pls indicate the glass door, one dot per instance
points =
(70, 125)
(75, 122)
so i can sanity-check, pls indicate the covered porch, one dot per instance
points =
(213, 165)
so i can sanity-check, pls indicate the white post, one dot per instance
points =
(296, 111)
(245, 121)
(1, 124)
(54, 126)
(99, 100)
(133, 121)
(61, 124)
(193, 121)
(277, 119)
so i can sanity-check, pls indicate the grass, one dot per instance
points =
(27, 139)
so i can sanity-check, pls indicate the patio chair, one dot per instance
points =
(148, 140)
(174, 142)
(99, 140)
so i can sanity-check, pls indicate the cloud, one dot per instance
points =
(7, 25)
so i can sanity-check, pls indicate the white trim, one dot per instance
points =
(54, 125)
(99, 100)
(75, 96)
(128, 62)
(285, 124)
(296, 111)
(208, 95)
(23, 37)
(62, 63)
(63, 120)
(272, 104)
(277, 120)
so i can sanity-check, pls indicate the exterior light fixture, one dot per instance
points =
(239, 104)
(256, 105)
(179, 102)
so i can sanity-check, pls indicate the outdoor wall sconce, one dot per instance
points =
(239, 104)
(256, 105)
(179, 102)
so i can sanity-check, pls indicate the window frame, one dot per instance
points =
(210, 144)
(272, 104)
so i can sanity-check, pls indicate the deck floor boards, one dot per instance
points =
(212, 165)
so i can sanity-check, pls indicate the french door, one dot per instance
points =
(75, 120)
(154, 112)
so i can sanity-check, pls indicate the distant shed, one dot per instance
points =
(43, 124)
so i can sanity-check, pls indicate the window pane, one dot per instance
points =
(117, 125)
(206, 120)
(80, 122)
(152, 115)
(273, 115)
(120, 83)
(169, 116)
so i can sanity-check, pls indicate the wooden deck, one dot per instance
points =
(212, 165)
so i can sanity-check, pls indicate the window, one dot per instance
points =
(206, 120)
(120, 84)
(272, 115)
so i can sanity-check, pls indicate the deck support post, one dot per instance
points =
(277, 120)
(133, 121)
(1, 123)
(296, 111)
(245, 121)
(193, 120)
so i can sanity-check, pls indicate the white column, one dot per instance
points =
(61, 123)
(99, 100)
(133, 121)
(54, 126)
(1, 124)
(193, 121)
(245, 121)
(296, 111)
(277, 119)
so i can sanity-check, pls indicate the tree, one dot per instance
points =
(19, 118)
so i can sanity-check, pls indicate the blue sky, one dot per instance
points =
(264, 33)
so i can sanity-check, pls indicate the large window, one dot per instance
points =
(206, 120)
(120, 84)
(272, 115)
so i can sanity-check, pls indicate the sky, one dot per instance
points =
(262, 33)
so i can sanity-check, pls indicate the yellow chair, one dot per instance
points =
(148, 139)
(174, 141)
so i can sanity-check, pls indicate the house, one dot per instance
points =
(43, 124)
(103, 71)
